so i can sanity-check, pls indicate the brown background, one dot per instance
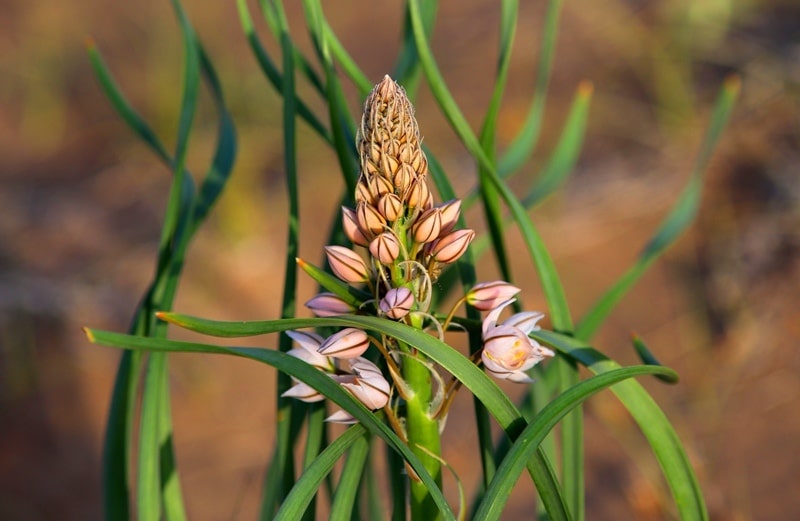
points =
(81, 202)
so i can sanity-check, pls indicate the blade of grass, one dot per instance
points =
(295, 368)
(681, 216)
(271, 71)
(346, 492)
(521, 148)
(406, 70)
(508, 473)
(496, 401)
(651, 419)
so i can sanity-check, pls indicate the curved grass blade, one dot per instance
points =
(474, 379)
(225, 151)
(346, 492)
(508, 473)
(654, 424)
(323, 35)
(562, 160)
(681, 216)
(295, 368)
(647, 357)
(406, 71)
(310, 481)
(521, 148)
(271, 71)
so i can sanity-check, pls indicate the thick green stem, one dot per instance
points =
(423, 436)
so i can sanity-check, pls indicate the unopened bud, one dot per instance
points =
(347, 343)
(397, 303)
(452, 246)
(351, 228)
(329, 305)
(450, 212)
(488, 295)
(369, 219)
(390, 206)
(427, 226)
(385, 247)
(347, 264)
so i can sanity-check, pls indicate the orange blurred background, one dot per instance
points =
(82, 202)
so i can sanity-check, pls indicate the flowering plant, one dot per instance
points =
(380, 346)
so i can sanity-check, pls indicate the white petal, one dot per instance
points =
(525, 321)
(491, 319)
(306, 339)
(341, 416)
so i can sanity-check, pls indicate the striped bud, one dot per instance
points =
(390, 206)
(369, 219)
(418, 193)
(450, 213)
(347, 343)
(427, 226)
(385, 247)
(452, 246)
(329, 305)
(347, 264)
(397, 303)
(351, 228)
(488, 295)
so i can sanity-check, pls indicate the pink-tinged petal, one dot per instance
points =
(351, 228)
(366, 383)
(418, 193)
(490, 321)
(347, 343)
(525, 321)
(519, 377)
(347, 264)
(506, 349)
(341, 416)
(306, 339)
(488, 295)
(319, 361)
(385, 247)
(303, 392)
(450, 212)
(452, 246)
(329, 305)
(397, 303)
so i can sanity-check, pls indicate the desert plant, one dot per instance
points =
(378, 347)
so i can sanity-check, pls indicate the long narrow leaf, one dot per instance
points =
(681, 216)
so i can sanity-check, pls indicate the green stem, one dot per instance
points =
(423, 435)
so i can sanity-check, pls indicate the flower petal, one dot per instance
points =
(347, 343)
(525, 321)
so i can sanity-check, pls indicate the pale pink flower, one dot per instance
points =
(507, 350)
(452, 246)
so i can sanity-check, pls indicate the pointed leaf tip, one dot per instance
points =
(89, 334)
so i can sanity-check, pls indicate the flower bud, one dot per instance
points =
(347, 264)
(390, 206)
(403, 178)
(488, 295)
(366, 383)
(380, 186)
(329, 305)
(450, 212)
(427, 226)
(309, 343)
(452, 246)
(369, 219)
(347, 343)
(397, 303)
(351, 228)
(363, 192)
(418, 193)
(385, 247)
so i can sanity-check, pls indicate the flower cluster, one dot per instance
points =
(408, 240)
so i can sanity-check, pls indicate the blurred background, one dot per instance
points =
(81, 203)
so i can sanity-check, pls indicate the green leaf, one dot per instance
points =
(651, 420)
(562, 160)
(499, 491)
(681, 216)
(295, 368)
(346, 492)
(495, 400)
(521, 148)
(647, 357)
